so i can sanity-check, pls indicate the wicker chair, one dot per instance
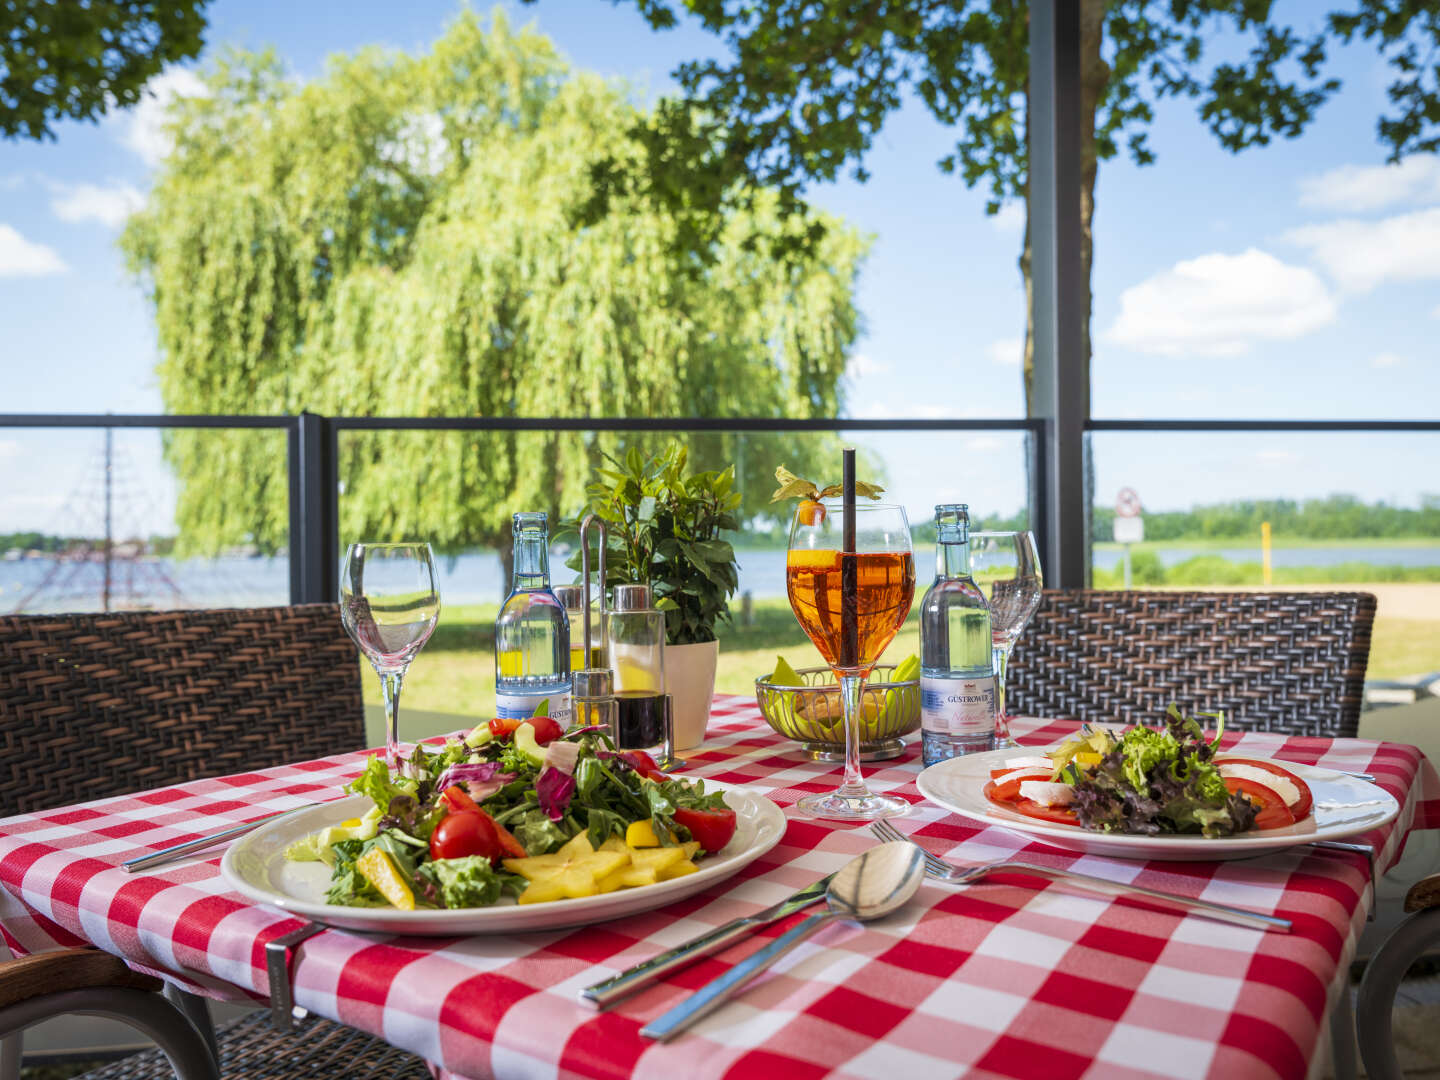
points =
(1274, 661)
(97, 705)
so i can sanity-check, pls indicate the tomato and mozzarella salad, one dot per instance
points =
(1152, 781)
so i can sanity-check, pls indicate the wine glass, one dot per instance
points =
(880, 573)
(389, 604)
(1006, 566)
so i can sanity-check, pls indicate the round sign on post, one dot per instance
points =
(1127, 503)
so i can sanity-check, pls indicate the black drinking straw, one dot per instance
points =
(849, 579)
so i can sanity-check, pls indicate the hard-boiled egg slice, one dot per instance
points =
(1278, 784)
(1047, 793)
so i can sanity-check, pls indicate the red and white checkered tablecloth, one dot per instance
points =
(1011, 977)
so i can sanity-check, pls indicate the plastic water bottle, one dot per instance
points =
(532, 633)
(957, 675)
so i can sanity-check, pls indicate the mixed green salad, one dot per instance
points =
(1152, 781)
(515, 808)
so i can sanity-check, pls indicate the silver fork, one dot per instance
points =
(941, 870)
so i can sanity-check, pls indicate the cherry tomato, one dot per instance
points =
(1272, 813)
(502, 727)
(456, 798)
(547, 729)
(467, 832)
(1301, 809)
(711, 829)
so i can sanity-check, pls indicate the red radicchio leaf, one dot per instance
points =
(553, 788)
(562, 756)
(482, 775)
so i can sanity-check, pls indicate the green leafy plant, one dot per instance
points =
(665, 529)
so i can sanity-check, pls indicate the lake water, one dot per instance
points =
(41, 585)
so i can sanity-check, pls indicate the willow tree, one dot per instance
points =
(398, 238)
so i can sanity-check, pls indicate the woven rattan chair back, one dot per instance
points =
(1290, 662)
(95, 705)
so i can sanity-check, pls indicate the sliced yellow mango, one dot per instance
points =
(379, 869)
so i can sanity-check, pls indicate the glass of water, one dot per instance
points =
(389, 603)
(1006, 566)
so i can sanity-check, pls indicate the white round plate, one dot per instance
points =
(1343, 807)
(257, 868)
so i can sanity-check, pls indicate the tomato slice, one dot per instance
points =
(1272, 813)
(645, 765)
(547, 729)
(1301, 809)
(1030, 808)
(711, 829)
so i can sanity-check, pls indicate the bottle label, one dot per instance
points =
(958, 706)
(523, 706)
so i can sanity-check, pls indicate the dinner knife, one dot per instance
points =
(200, 843)
(604, 994)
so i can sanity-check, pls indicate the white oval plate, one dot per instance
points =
(257, 868)
(1343, 807)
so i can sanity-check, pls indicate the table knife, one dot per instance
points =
(604, 994)
(200, 843)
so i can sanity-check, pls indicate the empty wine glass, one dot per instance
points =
(1006, 566)
(389, 604)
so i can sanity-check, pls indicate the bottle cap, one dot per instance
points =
(593, 684)
(631, 598)
(571, 597)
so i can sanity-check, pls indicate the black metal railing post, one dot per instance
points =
(314, 511)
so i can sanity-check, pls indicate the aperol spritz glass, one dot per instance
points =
(879, 572)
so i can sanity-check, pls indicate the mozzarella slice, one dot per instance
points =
(1278, 784)
(1033, 773)
(1031, 762)
(1047, 793)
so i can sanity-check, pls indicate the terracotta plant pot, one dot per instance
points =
(690, 682)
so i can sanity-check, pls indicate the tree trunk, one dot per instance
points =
(1094, 74)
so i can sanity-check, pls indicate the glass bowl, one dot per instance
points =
(811, 714)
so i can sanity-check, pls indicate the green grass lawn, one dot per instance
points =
(456, 670)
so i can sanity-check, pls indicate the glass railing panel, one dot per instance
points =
(142, 519)
(458, 489)
(1344, 510)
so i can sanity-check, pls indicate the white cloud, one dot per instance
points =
(984, 444)
(884, 410)
(25, 258)
(109, 206)
(1371, 187)
(9, 448)
(1220, 305)
(1007, 351)
(862, 364)
(1435, 312)
(1386, 360)
(1010, 218)
(1359, 255)
(145, 132)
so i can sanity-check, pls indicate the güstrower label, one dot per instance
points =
(958, 706)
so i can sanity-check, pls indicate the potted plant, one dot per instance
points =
(665, 529)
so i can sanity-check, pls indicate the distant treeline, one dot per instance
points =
(38, 541)
(1338, 517)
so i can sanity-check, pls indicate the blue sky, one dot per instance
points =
(1300, 280)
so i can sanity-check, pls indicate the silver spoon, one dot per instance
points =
(868, 887)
